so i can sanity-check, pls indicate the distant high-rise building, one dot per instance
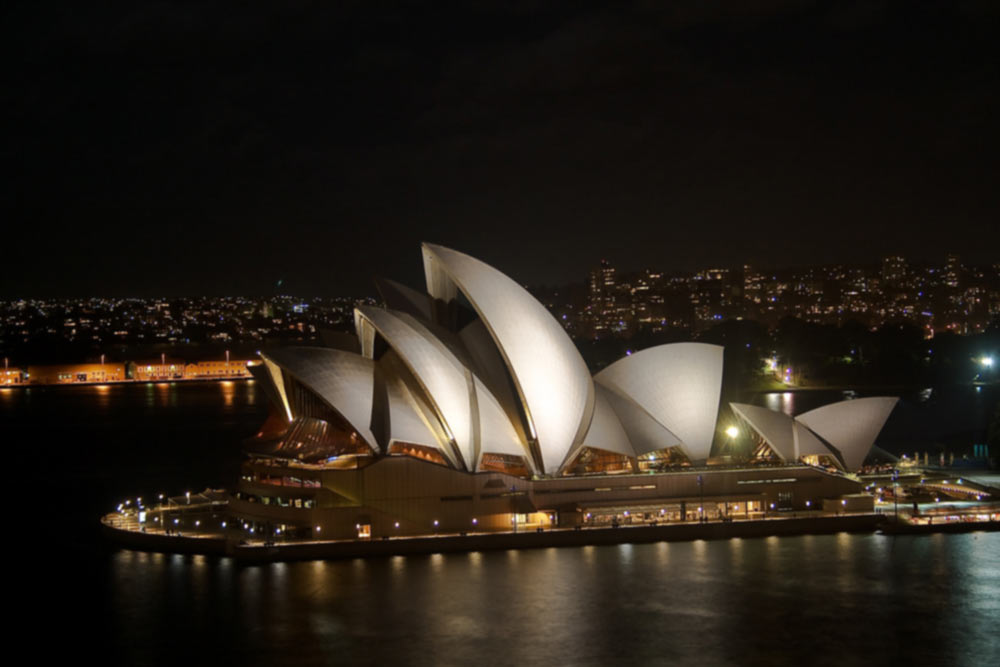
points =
(952, 270)
(603, 298)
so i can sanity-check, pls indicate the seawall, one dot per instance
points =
(319, 550)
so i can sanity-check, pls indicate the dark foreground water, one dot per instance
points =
(73, 453)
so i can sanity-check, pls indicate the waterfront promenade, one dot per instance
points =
(128, 533)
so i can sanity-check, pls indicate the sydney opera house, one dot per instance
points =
(468, 408)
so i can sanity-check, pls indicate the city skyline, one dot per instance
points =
(948, 296)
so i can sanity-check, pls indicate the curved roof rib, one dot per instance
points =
(645, 433)
(774, 427)
(678, 385)
(551, 378)
(850, 426)
(787, 437)
(405, 421)
(343, 380)
(606, 430)
(497, 434)
(274, 386)
(806, 444)
(459, 401)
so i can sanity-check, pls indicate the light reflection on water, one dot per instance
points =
(704, 602)
(228, 388)
(781, 402)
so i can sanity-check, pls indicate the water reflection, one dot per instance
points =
(625, 556)
(436, 562)
(780, 402)
(101, 396)
(663, 554)
(575, 606)
(228, 388)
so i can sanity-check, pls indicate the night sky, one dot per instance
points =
(184, 148)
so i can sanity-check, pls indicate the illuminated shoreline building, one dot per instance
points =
(468, 408)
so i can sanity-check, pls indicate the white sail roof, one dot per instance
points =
(774, 427)
(850, 426)
(343, 380)
(807, 444)
(606, 431)
(434, 368)
(469, 413)
(496, 433)
(552, 380)
(678, 385)
(405, 421)
(645, 433)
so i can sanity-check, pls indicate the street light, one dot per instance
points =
(732, 431)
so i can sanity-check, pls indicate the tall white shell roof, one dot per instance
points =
(678, 385)
(551, 377)
(434, 368)
(470, 415)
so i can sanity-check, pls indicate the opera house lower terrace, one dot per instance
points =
(467, 408)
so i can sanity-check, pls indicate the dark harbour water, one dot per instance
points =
(73, 453)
